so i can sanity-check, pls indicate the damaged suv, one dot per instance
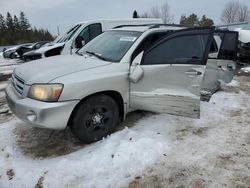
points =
(154, 68)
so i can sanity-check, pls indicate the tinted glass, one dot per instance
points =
(228, 46)
(95, 30)
(179, 50)
(85, 35)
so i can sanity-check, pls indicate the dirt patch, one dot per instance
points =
(244, 85)
(39, 184)
(189, 130)
(10, 173)
(173, 177)
(44, 143)
(132, 118)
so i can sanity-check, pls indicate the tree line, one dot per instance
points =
(233, 12)
(18, 30)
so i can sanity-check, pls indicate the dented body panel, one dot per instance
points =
(168, 89)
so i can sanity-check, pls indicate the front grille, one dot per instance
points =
(17, 83)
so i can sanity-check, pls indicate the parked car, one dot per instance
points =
(18, 51)
(159, 69)
(12, 52)
(83, 32)
(27, 53)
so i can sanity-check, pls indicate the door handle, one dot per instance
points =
(193, 72)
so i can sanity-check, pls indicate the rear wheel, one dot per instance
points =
(95, 118)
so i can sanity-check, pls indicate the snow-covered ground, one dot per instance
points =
(246, 69)
(147, 150)
(7, 65)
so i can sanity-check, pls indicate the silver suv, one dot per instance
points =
(154, 68)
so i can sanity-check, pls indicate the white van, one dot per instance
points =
(81, 33)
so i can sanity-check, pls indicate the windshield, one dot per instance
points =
(111, 45)
(67, 36)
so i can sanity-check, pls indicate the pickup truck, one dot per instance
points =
(154, 68)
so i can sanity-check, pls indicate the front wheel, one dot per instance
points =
(95, 118)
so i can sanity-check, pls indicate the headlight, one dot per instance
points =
(45, 92)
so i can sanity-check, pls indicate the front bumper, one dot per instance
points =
(52, 115)
(30, 56)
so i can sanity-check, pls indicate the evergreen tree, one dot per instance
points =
(16, 23)
(194, 20)
(135, 14)
(2, 23)
(14, 30)
(23, 22)
(9, 21)
(191, 20)
(206, 21)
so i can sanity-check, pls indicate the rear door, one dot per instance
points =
(173, 70)
(221, 63)
(227, 56)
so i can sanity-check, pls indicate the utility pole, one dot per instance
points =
(58, 31)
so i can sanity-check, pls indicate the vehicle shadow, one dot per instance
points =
(44, 143)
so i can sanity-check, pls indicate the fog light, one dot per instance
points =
(31, 116)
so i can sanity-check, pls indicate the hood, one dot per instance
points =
(244, 36)
(46, 48)
(12, 48)
(46, 70)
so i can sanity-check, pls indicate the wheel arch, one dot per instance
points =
(113, 94)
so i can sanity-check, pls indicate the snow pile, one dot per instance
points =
(113, 161)
(233, 83)
(245, 69)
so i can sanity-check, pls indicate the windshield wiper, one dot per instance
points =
(96, 55)
(78, 53)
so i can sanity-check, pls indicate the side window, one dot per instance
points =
(95, 30)
(214, 47)
(228, 46)
(85, 35)
(148, 42)
(188, 49)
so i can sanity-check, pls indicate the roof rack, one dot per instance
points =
(141, 25)
(159, 25)
(151, 26)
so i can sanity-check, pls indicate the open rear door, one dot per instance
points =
(221, 63)
(173, 70)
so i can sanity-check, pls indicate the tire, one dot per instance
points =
(95, 118)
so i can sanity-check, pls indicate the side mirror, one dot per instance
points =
(136, 72)
(79, 42)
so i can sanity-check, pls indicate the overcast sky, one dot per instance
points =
(63, 13)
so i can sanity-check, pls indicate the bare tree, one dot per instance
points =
(235, 11)
(165, 14)
(162, 12)
(244, 14)
(145, 15)
(155, 12)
